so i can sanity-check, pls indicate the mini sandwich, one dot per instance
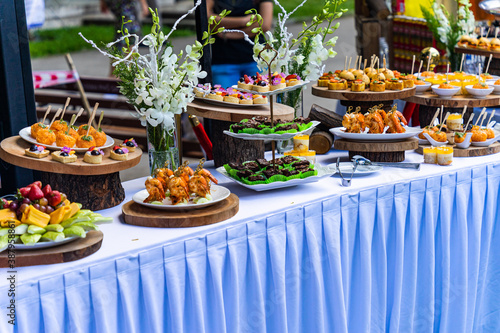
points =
(464, 41)
(36, 151)
(119, 153)
(93, 155)
(347, 75)
(495, 44)
(65, 155)
(483, 43)
(473, 42)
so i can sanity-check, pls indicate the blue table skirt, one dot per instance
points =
(421, 256)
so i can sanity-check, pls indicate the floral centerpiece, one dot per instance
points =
(303, 55)
(448, 28)
(159, 84)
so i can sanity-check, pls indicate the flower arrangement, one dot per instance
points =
(448, 28)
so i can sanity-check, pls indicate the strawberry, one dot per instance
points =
(54, 198)
(25, 191)
(47, 190)
(247, 79)
(37, 183)
(35, 193)
(291, 76)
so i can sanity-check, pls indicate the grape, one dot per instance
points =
(26, 201)
(48, 209)
(13, 206)
(23, 207)
(63, 197)
(43, 209)
(6, 205)
(37, 206)
(44, 202)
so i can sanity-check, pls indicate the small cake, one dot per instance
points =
(430, 155)
(455, 122)
(377, 86)
(36, 151)
(325, 79)
(119, 154)
(358, 85)
(245, 82)
(215, 96)
(259, 99)
(444, 155)
(93, 156)
(408, 81)
(201, 90)
(85, 141)
(301, 143)
(277, 81)
(292, 80)
(65, 155)
(45, 136)
(130, 144)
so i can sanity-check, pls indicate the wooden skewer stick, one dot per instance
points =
(345, 63)
(470, 119)
(491, 116)
(488, 66)
(441, 115)
(413, 65)
(496, 32)
(434, 118)
(444, 120)
(488, 33)
(447, 71)
(65, 107)
(480, 116)
(71, 122)
(55, 116)
(46, 113)
(364, 67)
(349, 66)
(360, 62)
(465, 109)
(356, 63)
(79, 114)
(385, 67)
(484, 118)
(91, 118)
(420, 67)
(462, 61)
(428, 63)
(100, 120)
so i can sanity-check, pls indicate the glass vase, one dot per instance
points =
(162, 148)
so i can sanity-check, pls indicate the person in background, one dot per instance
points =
(232, 56)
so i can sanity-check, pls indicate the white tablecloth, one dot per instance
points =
(399, 250)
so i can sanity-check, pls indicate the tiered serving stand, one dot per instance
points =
(380, 151)
(95, 186)
(495, 61)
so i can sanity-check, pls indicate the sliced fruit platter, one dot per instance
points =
(39, 217)
(261, 128)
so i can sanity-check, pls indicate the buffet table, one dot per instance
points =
(398, 251)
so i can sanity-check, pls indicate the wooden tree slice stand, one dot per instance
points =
(229, 149)
(95, 186)
(476, 51)
(378, 151)
(75, 250)
(143, 216)
(469, 152)
(428, 98)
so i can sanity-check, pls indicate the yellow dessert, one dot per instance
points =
(301, 143)
(454, 122)
(444, 155)
(430, 155)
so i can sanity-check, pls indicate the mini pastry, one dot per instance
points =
(483, 43)
(277, 82)
(377, 86)
(85, 141)
(119, 154)
(65, 155)
(99, 137)
(346, 75)
(82, 130)
(59, 125)
(259, 99)
(358, 85)
(325, 79)
(337, 84)
(45, 136)
(245, 82)
(36, 151)
(215, 96)
(201, 90)
(63, 139)
(292, 80)
(232, 96)
(395, 84)
(130, 144)
(260, 84)
(246, 98)
(93, 156)
(389, 75)
(408, 81)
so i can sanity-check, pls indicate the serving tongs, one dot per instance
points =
(346, 182)
(360, 160)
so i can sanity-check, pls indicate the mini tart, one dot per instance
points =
(258, 99)
(323, 82)
(246, 101)
(198, 92)
(231, 99)
(260, 88)
(337, 85)
(119, 154)
(358, 86)
(278, 86)
(245, 82)
(92, 157)
(129, 144)
(377, 86)
(56, 156)
(292, 80)
(215, 97)
(36, 151)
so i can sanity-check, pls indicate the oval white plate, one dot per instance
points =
(44, 245)
(227, 104)
(259, 137)
(434, 142)
(346, 168)
(25, 133)
(218, 193)
(410, 132)
(485, 143)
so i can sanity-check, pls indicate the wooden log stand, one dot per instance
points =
(95, 186)
(75, 250)
(136, 214)
(378, 151)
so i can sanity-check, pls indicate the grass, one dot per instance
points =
(311, 8)
(64, 40)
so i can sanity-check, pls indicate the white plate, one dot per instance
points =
(410, 132)
(274, 92)
(218, 193)
(346, 168)
(25, 133)
(227, 104)
(44, 245)
(485, 143)
(283, 136)
(323, 172)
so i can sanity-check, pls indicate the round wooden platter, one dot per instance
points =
(136, 214)
(428, 98)
(476, 51)
(12, 151)
(378, 151)
(236, 114)
(362, 96)
(469, 152)
(75, 250)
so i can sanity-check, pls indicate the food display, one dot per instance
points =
(438, 155)
(262, 171)
(228, 95)
(93, 156)
(119, 153)
(481, 43)
(42, 215)
(376, 121)
(36, 151)
(262, 83)
(262, 125)
(65, 155)
(180, 187)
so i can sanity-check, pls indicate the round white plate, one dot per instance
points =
(44, 245)
(227, 104)
(259, 137)
(410, 132)
(218, 193)
(274, 92)
(347, 167)
(25, 133)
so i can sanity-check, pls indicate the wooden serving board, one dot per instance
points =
(136, 214)
(378, 151)
(476, 51)
(362, 96)
(12, 151)
(469, 152)
(428, 98)
(75, 250)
